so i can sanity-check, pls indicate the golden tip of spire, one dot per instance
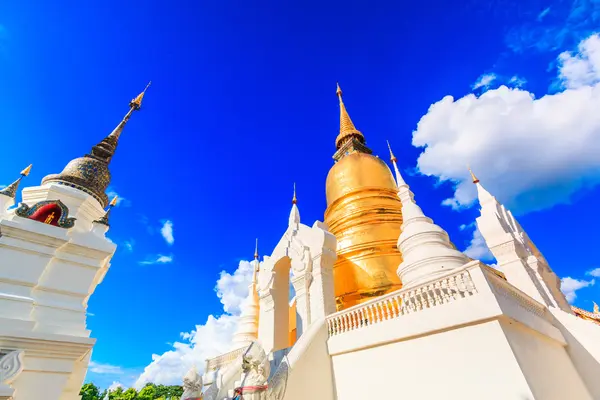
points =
(113, 202)
(256, 250)
(473, 177)
(27, 170)
(137, 102)
(338, 90)
(294, 199)
(392, 156)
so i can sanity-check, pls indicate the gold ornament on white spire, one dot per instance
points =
(399, 179)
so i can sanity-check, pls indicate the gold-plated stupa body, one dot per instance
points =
(365, 215)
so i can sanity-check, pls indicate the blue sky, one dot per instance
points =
(243, 104)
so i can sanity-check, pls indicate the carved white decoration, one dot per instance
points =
(192, 385)
(11, 366)
(304, 257)
(523, 264)
(256, 371)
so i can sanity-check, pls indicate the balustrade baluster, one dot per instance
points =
(406, 301)
(428, 302)
(347, 322)
(361, 314)
(376, 312)
(398, 309)
(389, 307)
(384, 310)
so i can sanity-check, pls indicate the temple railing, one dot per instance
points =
(223, 360)
(401, 302)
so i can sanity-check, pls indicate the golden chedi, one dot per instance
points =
(365, 215)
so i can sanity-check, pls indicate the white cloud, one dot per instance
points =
(115, 385)
(570, 286)
(516, 81)
(158, 259)
(206, 341)
(530, 153)
(464, 227)
(108, 369)
(232, 289)
(478, 249)
(581, 68)
(121, 201)
(595, 273)
(167, 232)
(541, 15)
(128, 245)
(484, 81)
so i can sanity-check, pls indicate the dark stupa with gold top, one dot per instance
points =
(90, 173)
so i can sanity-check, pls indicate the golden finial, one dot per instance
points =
(473, 177)
(392, 156)
(113, 202)
(256, 250)
(294, 199)
(137, 102)
(347, 127)
(596, 308)
(27, 170)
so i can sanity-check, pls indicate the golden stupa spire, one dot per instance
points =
(596, 308)
(347, 128)
(392, 156)
(294, 199)
(11, 190)
(134, 105)
(256, 250)
(473, 177)
(26, 171)
(399, 179)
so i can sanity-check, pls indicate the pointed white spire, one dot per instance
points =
(426, 248)
(483, 195)
(295, 213)
(247, 330)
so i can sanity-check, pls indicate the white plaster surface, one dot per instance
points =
(47, 275)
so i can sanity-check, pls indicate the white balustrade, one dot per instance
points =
(401, 302)
(223, 360)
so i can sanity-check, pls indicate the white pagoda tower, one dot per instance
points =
(53, 253)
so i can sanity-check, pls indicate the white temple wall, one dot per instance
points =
(310, 368)
(583, 347)
(471, 363)
(52, 364)
(545, 364)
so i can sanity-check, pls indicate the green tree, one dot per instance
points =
(176, 391)
(129, 394)
(116, 394)
(89, 391)
(148, 392)
(162, 391)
